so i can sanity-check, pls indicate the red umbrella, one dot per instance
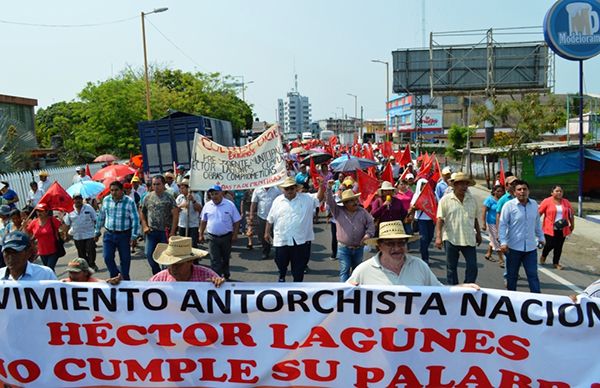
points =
(105, 158)
(113, 172)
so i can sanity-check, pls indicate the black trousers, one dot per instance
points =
(297, 255)
(86, 249)
(334, 241)
(554, 243)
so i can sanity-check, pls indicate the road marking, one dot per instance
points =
(550, 274)
(559, 279)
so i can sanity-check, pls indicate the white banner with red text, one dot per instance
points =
(143, 334)
(259, 163)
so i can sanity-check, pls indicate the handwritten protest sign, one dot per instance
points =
(258, 163)
(192, 334)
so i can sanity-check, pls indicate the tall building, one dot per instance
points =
(293, 115)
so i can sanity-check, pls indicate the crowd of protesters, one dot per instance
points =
(413, 200)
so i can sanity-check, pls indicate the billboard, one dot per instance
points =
(472, 68)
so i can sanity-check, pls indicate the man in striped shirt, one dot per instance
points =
(119, 217)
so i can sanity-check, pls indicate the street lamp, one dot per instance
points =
(241, 85)
(355, 111)
(387, 91)
(156, 10)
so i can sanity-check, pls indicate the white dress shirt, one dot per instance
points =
(293, 220)
(83, 222)
(264, 200)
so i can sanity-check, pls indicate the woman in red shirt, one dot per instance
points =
(44, 229)
(558, 223)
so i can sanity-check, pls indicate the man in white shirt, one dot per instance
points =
(189, 204)
(35, 194)
(80, 175)
(44, 184)
(261, 202)
(290, 219)
(82, 221)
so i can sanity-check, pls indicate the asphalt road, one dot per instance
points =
(580, 257)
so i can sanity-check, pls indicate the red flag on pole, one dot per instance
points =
(367, 185)
(406, 158)
(314, 173)
(426, 202)
(87, 171)
(368, 154)
(388, 174)
(386, 149)
(56, 198)
(502, 176)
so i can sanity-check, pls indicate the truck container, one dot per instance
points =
(170, 139)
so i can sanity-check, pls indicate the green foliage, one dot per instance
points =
(457, 139)
(104, 119)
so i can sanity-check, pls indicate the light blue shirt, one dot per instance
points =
(520, 226)
(440, 189)
(32, 272)
(220, 218)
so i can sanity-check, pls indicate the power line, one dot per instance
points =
(174, 45)
(66, 25)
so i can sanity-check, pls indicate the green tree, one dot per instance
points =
(528, 118)
(105, 116)
(457, 139)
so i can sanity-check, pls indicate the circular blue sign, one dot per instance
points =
(572, 28)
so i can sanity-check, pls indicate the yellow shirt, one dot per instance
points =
(459, 219)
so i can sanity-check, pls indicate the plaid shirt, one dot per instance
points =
(199, 274)
(118, 216)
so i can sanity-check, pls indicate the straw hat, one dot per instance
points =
(446, 170)
(43, 173)
(288, 182)
(386, 186)
(178, 250)
(462, 177)
(348, 195)
(391, 230)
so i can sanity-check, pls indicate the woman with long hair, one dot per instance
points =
(558, 223)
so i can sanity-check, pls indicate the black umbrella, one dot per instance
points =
(319, 158)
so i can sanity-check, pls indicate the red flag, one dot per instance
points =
(369, 152)
(56, 198)
(371, 171)
(333, 140)
(406, 158)
(314, 173)
(502, 176)
(386, 149)
(87, 171)
(403, 175)
(367, 185)
(388, 174)
(426, 202)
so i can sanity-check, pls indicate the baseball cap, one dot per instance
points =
(127, 185)
(17, 241)
(181, 167)
(78, 169)
(409, 176)
(79, 265)
(510, 179)
(215, 188)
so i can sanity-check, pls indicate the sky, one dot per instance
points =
(328, 43)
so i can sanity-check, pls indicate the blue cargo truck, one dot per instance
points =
(171, 138)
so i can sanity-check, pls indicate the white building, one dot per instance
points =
(294, 115)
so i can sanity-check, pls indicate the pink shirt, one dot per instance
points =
(199, 274)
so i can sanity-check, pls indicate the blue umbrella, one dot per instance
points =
(351, 163)
(87, 189)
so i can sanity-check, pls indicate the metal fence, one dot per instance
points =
(19, 181)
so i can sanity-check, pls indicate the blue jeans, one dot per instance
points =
(452, 253)
(50, 260)
(112, 242)
(426, 229)
(349, 259)
(152, 239)
(513, 263)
